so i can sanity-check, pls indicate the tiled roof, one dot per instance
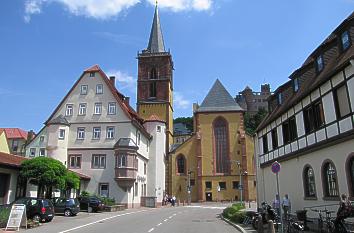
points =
(219, 100)
(82, 176)
(153, 117)
(12, 133)
(335, 64)
(11, 160)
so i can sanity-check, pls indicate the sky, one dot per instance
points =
(45, 45)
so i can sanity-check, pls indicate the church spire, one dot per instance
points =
(156, 44)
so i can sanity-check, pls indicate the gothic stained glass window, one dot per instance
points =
(221, 146)
(180, 164)
(309, 182)
(330, 180)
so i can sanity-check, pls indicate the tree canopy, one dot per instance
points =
(252, 122)
(188, 121)
(48, 173)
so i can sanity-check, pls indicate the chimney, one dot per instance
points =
(30, 136)
(113, 80)
(126, 100)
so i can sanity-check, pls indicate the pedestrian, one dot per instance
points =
(165, 199)
(286, 204)
(173, 200)
(276, 204)
(344, 211)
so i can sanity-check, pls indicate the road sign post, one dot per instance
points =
(276, 170)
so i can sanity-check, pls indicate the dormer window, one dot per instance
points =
(319, 62)
(296, 84)
(280, 98)
(345, 40)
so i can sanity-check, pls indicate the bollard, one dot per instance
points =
(271, 227)
(260, 224)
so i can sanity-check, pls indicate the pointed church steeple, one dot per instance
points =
(156, 43)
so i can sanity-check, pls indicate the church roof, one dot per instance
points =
(219, 100)
(156, 43)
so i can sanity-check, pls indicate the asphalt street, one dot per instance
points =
(193, 219)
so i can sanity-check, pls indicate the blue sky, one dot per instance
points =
(46, 45)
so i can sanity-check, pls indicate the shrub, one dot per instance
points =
(238, 217)
(238, 206)
(4, 216)
(85, 194)
(228, 212)
(107, 201)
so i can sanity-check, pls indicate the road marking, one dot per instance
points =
(88, 224)
(174, 214)
(159, 224)
(165, 220)
(170, 217)
(206, 207)
(151, 229)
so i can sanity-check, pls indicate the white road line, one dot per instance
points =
(170, 217)
(165, 220)
(85, 225)
(151, 229)
(159, 224)
(174, 214)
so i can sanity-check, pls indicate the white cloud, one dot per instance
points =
(125, 81)
(105, 9)
(180, 101)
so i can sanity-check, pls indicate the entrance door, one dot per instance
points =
(208, 196)
(4, 187)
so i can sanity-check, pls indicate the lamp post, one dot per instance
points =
(189, 188)
(241, 173)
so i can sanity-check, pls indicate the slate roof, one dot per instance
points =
(60, 120)
(219, 100)
(156, 43)
(11, 160)
(125, 142)
(180, 129)
(13, 133)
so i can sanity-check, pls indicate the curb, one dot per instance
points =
(233, 224)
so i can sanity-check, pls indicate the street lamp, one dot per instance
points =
(241, 173)
(189, 188)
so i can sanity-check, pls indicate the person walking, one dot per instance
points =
(276, 204)
(344, 211)
(286, 204)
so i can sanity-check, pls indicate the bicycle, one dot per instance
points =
(293, 226)
(329, 222)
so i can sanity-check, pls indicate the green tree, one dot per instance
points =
(44, 172)
(252, 122)
(72, 181)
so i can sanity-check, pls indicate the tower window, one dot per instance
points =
(153, 89)
(153, 74)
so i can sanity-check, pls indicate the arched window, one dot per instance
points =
(330, 184)
(153, 74)
(309, 182)
(181, 164)
(350, 175)
(222, 163)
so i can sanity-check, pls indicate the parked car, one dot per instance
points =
(66, 206)
(94, 202)
(37, 209)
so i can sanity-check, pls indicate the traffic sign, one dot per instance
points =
(275, 167)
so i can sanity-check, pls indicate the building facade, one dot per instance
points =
(180, 133)
(4, 146)
(251, 101)
(310, 128)
(17, 139)
(212, 162)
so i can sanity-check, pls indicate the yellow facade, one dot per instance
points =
(4, 147)
(200, 147)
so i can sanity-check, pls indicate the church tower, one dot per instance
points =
(155, 80)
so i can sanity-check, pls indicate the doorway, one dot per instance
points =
(4, 187)
(208, 196)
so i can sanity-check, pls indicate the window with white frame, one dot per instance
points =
(110, 132)
(82, 109)
(42, 152)
(83, 90)
(41, 138)
(98, 161)
(92, 74)
(122, 161)
(75, 161)
(61, 134)
(158, 128)
(98, 108)
(80, 133)
(104, 189)
(112, 108)
(96, 132)
(69, 110)
(99, 89)
(32, 152)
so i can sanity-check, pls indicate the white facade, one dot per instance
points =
(83, 131)
(314, 134)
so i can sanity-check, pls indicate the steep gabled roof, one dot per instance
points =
(219, 100)
(120, 98)
(156, 43)
(14, 133)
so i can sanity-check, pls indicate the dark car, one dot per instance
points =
(93, 202)
(37, 209)
(66, 206)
